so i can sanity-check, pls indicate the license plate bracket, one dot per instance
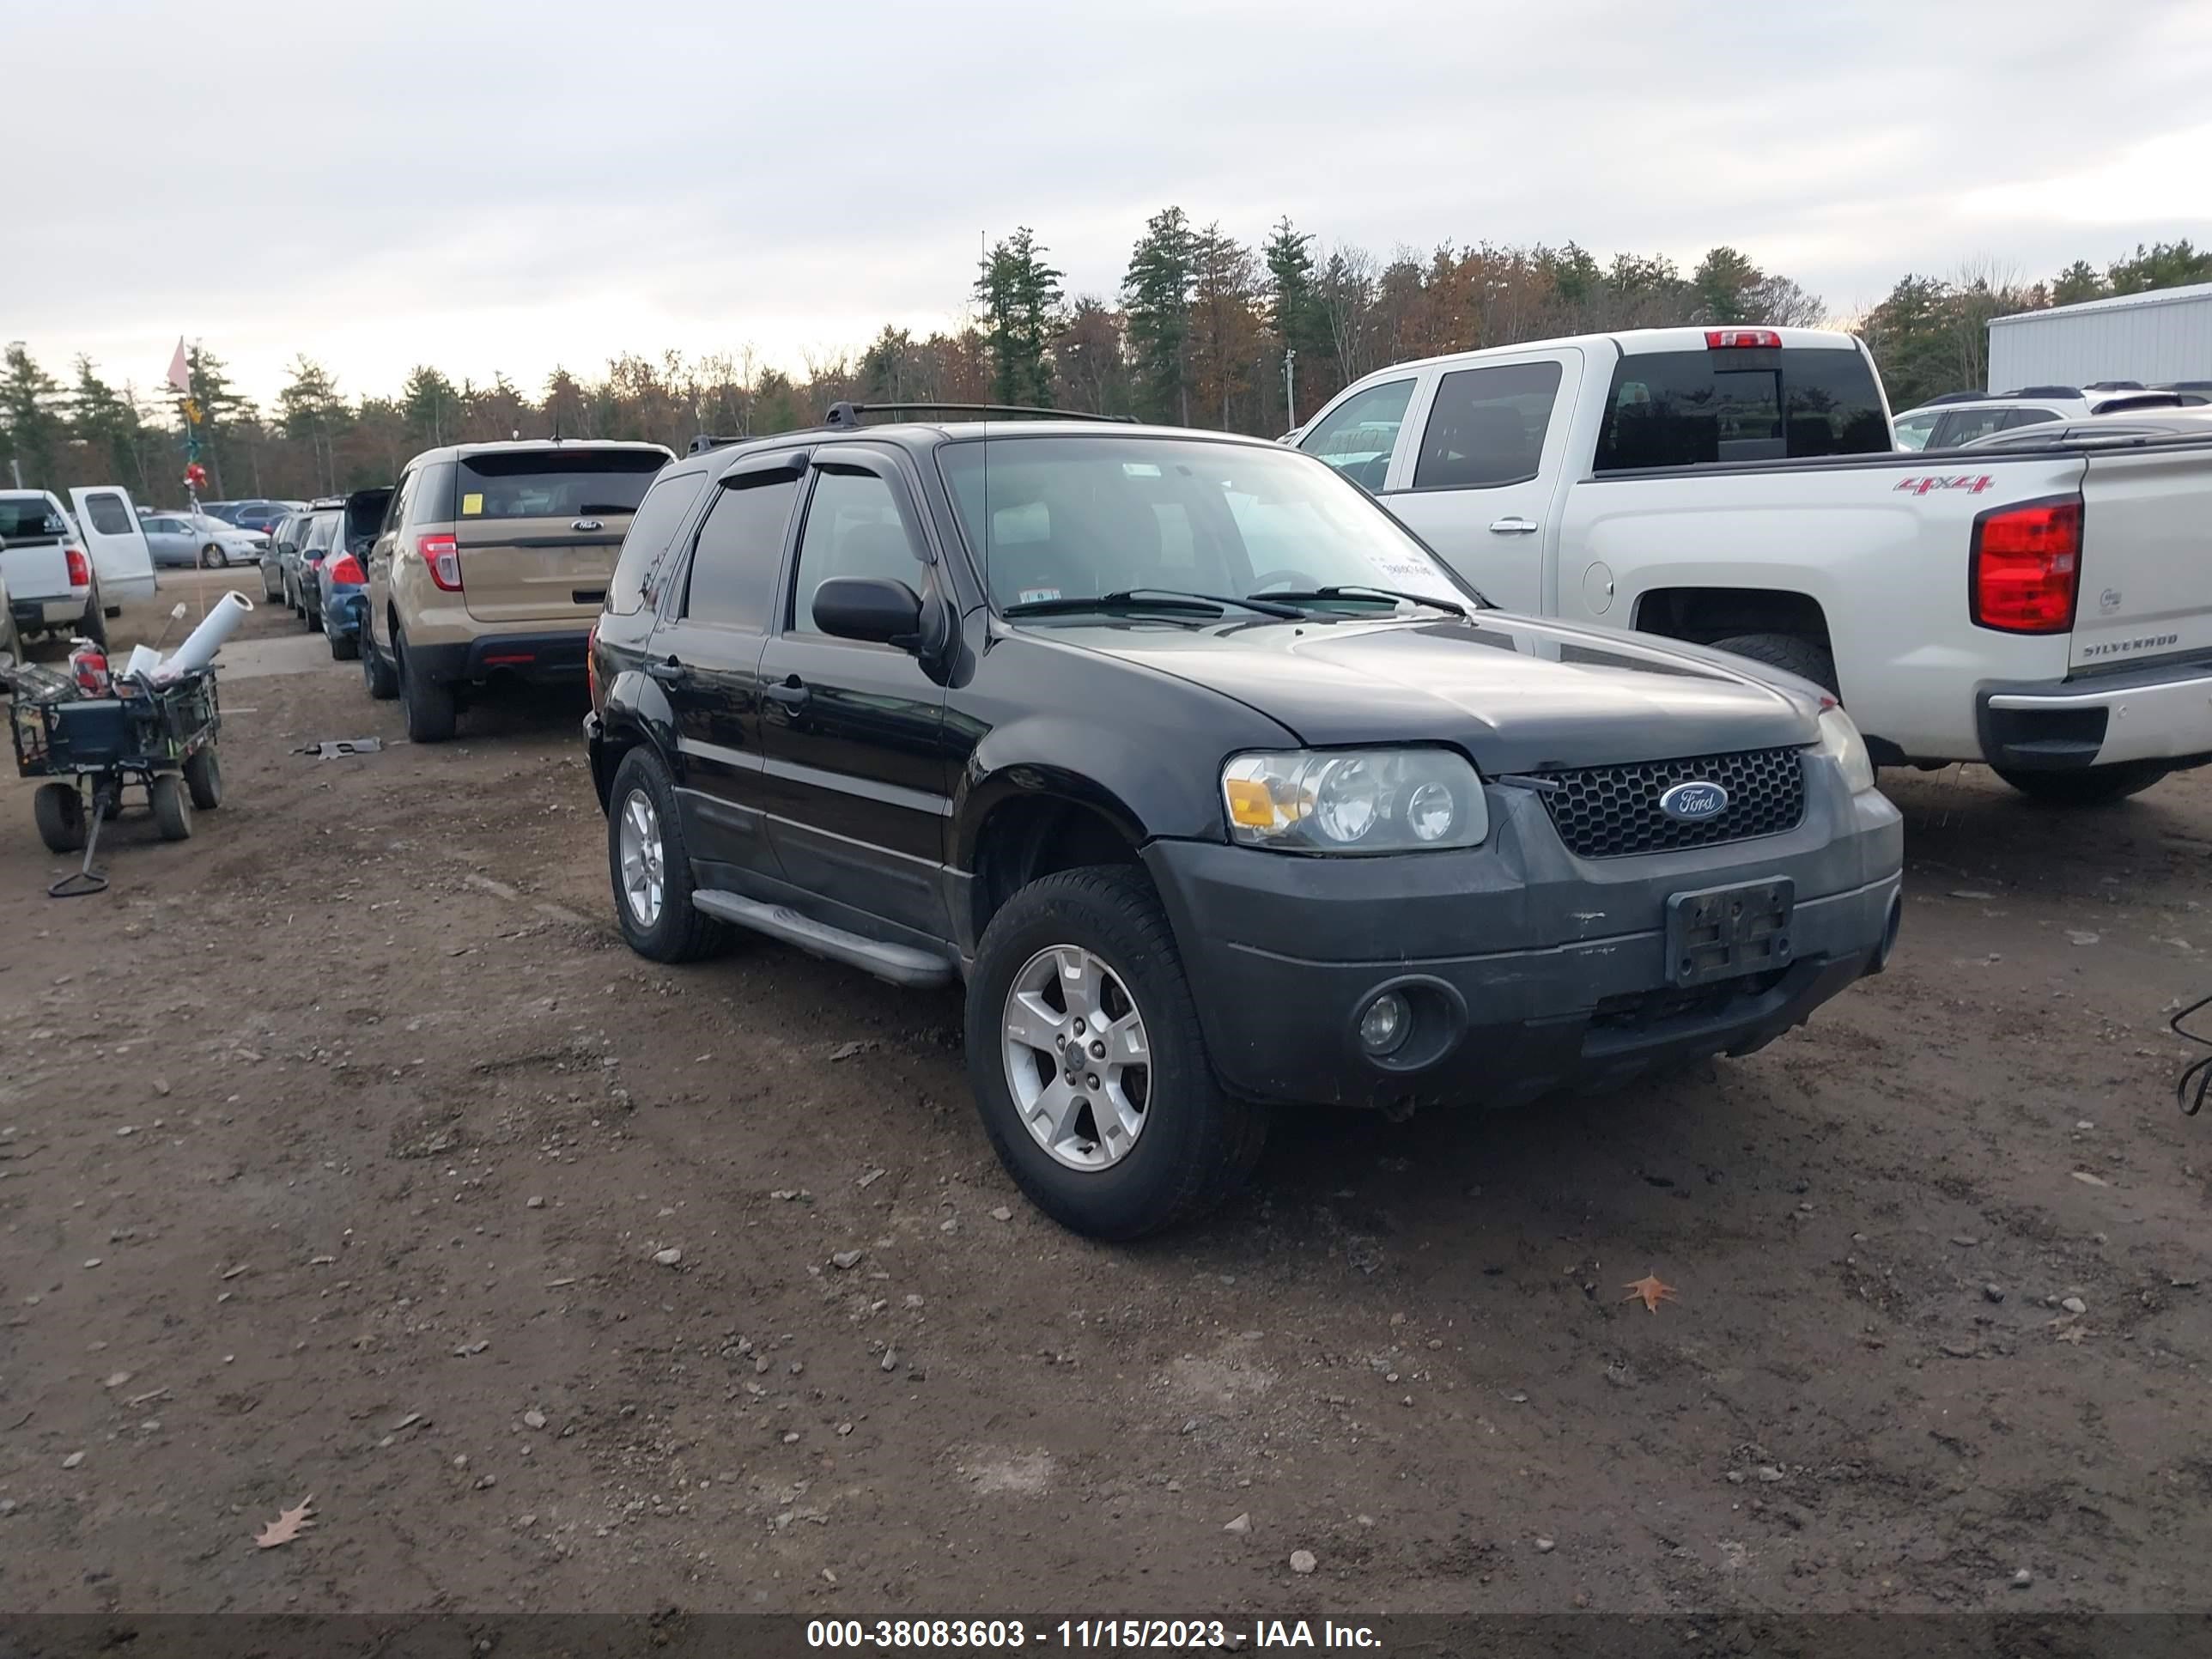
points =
(1727, 932)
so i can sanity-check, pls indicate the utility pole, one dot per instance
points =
(1290, 383)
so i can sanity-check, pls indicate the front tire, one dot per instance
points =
(650, 869)
(1793, 655)
(59, 810)
(173, 808)
(1134, 1132)
(212, 557)
(2090, 786)
(431, 710)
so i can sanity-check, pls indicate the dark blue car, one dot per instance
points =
(341, 597)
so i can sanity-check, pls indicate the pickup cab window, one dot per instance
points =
(1487, 426)
(1357, 435)
(1667, 408)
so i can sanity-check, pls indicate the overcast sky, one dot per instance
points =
(380, 183)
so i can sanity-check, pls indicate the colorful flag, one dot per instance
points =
(180, 372)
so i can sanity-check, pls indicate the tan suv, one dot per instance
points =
(494, 560)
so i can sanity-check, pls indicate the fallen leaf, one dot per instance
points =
(288, 1525)
(1650, 1291)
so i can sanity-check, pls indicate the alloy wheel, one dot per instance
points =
(1077, 1062)
(638, 851)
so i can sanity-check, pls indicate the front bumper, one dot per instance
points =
(1528, 970)
(2159, 713)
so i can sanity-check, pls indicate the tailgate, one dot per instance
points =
(34, 570)
(2146, 555)
(539, 530)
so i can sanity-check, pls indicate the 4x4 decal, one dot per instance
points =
(1971, 484)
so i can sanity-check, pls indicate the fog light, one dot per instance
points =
(1383, 1028)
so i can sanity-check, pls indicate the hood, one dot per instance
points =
(1518, 695)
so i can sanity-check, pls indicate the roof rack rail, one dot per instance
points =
(844, 417)
(2112, 386)
(2044, 391)
(707, 440)
(1957, 398)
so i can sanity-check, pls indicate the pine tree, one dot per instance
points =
(309, 410)
(108, 423)
(1157, 291)
(1296, 313)
(31, 420)
(2162, 265)
(432, 405)
(1020, 295)
(1725, 288)
(2078, 281)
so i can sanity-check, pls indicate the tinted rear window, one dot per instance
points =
(30, 518)
(108, 514)
(1689, 408)
(564, 483)
(660, 516)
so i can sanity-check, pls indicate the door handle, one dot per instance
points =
(668, 673)
(792, 693)
(1513, 526)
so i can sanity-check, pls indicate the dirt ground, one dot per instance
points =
(340, 1147)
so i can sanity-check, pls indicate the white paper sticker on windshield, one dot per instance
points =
(1034, 595)
(1139, 470)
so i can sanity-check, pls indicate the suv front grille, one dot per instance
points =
(1613, 811)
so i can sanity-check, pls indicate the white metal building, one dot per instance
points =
(2165, 335)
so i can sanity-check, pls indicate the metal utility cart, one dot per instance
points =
(158, 738)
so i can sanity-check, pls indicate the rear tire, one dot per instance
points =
(58, 809)
(376, 673)
(645, 841)
(2091, 785)
(1801, 657)
(431, 711)
(172, 807)
(313, 619)
(203, 779)
(1195, 1143)
(95, 621)
(343, 648)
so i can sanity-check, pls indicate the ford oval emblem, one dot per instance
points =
(1694, 800)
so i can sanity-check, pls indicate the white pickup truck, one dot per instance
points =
(2046, 610)
(48, 573)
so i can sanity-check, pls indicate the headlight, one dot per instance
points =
(1354, 800)
(1841, 742)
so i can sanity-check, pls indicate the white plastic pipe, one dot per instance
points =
(202, 643)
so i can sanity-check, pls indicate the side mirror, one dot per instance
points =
(871, 608)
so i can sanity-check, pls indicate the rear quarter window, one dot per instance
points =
(1669, 409)
(108, 514)
(666, 508)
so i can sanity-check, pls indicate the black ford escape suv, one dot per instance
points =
(1211, 782)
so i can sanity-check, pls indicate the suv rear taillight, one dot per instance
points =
(1720, 339)
(80, 567)
(347, 568)
(2025, 571)
(442, 556)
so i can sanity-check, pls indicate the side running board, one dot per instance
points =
(901, 965)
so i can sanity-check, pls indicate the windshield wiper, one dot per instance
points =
(1151, 598)
(1354, 590)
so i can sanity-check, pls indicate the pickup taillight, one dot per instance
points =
(80, 567)
(442, 556)
(2025, 572)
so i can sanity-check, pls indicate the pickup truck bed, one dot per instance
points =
(36, 539)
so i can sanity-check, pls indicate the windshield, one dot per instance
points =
(1057, 520)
